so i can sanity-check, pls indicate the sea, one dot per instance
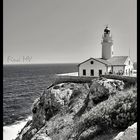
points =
(22, 84)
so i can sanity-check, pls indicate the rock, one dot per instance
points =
(41, 137)
(119, 136)
(112, 84)
(24, 131)
(34, 131)
(129, 134)
(61, 94)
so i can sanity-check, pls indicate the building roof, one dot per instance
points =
(117, 60)
(96, 59)
(114, 61)
(103, 61)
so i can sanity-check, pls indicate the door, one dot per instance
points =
(84, 72)
(100, 72)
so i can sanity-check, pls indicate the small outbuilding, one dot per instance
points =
(93, 67)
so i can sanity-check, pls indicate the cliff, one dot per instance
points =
(82, 110)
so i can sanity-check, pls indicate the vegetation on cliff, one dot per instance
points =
(78, 110)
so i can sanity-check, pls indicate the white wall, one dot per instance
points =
(88, 66)
(116, 69)
(107, 49)
(128, 67)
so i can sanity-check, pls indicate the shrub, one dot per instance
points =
(117, 112)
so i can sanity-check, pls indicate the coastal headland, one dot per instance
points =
(79, 108)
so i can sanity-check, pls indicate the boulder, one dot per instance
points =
(129, 134)
(111, 84)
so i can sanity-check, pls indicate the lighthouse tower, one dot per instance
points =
(107, 44)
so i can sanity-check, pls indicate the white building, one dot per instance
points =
(108, 63)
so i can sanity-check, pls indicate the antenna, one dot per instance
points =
(129, 52)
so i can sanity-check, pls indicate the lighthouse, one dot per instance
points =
(108, 63)
(107, 44)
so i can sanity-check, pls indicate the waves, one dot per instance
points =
(10, 132)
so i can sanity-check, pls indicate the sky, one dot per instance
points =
(66, 31)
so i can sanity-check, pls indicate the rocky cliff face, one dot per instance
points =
(72, 111)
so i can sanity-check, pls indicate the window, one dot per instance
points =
(129, 62)
(84, 72)
(92, 72)
(100, 72)
(91, 62)
(129, 71)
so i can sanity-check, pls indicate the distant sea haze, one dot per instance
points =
(23, 84)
